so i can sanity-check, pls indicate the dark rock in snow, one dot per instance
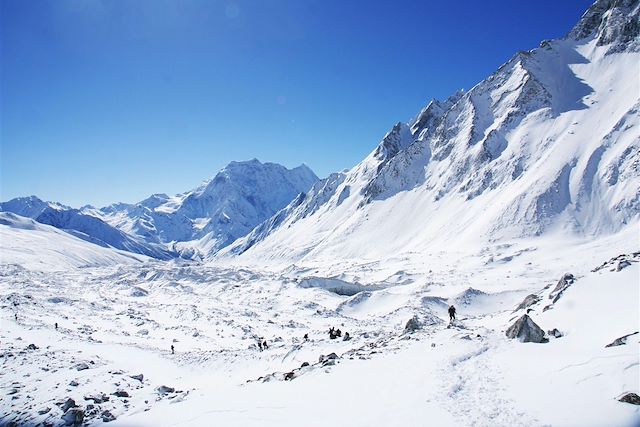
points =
(632, 398)
(163, 389)
(323, 358)
(563, 284)
(621, 341)
(69, 403)
(73, 383)
(73, 417)
(304, 364)
(120, 393)
(44, 411)
(32, 347)
(289, 376)
(107, 416)
(81, 366)
(554, 333)
(526, 330)
(412, 325)
(138, 377)
(622, 264)
(528, 301)
(98, 399)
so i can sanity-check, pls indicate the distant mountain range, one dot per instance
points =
(191, 224)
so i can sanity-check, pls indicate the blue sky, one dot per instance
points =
(113, 100)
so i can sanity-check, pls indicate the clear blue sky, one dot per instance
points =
(105, 101)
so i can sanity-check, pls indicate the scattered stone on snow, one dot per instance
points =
(412, 325)
(81, 366)
(526, 330)
(563, 284)
(554, 333)
(138, 377)
(73, 417)
(107, 416)
(163, 389)
(631, 398)
(120, 393)
(69, 403)
(528, 302)
(621, 341)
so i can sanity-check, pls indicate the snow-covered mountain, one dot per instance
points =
(239, 197)
(83, 226)
(36, 246)
(231, 204)
(548, 143)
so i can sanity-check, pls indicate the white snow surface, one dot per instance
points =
(121, 321)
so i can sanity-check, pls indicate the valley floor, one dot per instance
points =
(115, 323)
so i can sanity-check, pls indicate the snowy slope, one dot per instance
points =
(121, 321)
(239, 197)
(36, 246)
(83, 226)
(547, 144)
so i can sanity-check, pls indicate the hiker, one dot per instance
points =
(452, 313)
(306, 337)
(16, 316)
(172, 349)
(264, 345)
(260, 345)
(56, 325)
(338, 333)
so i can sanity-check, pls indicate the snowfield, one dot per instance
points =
(120, 321)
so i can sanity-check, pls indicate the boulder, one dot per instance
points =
(81, 366)
(44, 411)
(554, 333)
(526, 330)
(107, 416)
(163, 389)
(622, 264)
(73, 417)
(101, 398)
(69, 403)
(289, 376)
(32, 347)
(138, 377)
(120, 393)
(412, 325)
(304, 364)
(324, 359)
(528, 301)
(620, 341)
(563, 284)
(73, 383)
(631, 398)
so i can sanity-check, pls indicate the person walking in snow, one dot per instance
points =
(172, 349)
(452, 313)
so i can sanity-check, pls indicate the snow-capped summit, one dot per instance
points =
(549, 142)
(228, 206)
(216, 213)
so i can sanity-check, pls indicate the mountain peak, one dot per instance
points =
(611, 22)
